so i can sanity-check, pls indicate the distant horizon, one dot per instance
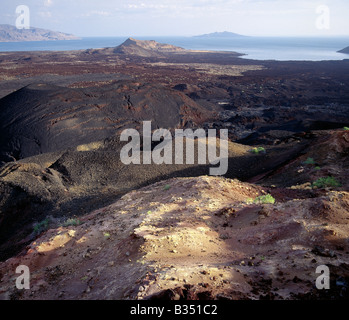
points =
(142, 18)
(258, 48)
(192, 35)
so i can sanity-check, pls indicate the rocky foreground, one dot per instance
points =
(201, 238)
(191, 238)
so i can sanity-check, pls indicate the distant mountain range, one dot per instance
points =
(10, 33)
(224, 34)
(345, 50)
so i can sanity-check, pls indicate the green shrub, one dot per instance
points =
(41, 226)
(249, 200)
(346, 128)
(326, 182)
(167, 187)
(264, 199)
(309, 161)
(71, 222)
(258, 150)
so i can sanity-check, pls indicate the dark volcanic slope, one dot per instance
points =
(73, 182)
(43, 118)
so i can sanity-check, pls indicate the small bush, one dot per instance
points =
(167, 187)
(71, 222)
(41, 226)
(346, 128)
(317, 168)
(309, 161)
(249, 200)
(258, 150)
(326, 182)
(264, 199)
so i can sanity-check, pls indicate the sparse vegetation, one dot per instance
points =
(262, 199)
(167, 187)
(265, 199)
(309, 161)
(258, 150)
(41, 226)
(249, 200)
(326, 182)
(317, 168)
(71, 222)
(106, 234)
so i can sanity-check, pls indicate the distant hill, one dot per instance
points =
(224, 34)
(345, 50)
(10, 33)
(145, 48)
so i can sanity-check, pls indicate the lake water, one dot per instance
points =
(259, 48)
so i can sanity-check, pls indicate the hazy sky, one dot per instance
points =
(183, 17)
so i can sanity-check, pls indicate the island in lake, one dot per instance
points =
(10, 33)
(224, 34)
(345, 50)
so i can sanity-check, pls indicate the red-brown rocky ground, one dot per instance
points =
(198, 238)
(90, 227)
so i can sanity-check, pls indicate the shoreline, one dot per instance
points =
(257, 48)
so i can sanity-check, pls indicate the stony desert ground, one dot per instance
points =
(90, 227)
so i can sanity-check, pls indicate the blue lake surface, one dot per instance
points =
(259, 48)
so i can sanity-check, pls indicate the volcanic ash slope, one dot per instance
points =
(190, 238)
